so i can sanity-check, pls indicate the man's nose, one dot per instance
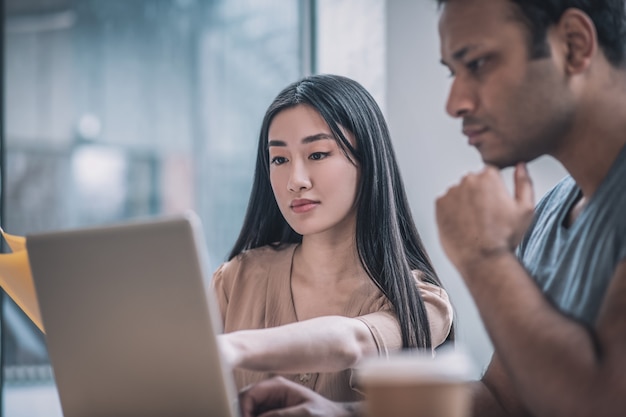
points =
(461, 99)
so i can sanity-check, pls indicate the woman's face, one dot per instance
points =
(314, 183)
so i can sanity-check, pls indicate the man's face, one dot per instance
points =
(513, 108)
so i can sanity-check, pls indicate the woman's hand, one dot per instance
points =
(279, 397)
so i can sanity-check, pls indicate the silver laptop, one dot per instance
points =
(130, 326)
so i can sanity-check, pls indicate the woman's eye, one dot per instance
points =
(278, 160)
(316, 156)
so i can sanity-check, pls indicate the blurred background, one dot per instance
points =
(118, 109)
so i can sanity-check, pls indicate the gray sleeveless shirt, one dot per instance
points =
(573, 266)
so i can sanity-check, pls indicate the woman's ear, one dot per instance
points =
(578, 40)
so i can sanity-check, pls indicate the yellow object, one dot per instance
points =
(16, 278)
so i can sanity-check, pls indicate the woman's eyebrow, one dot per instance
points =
(276, 143)
(319, 136)
(305, 140)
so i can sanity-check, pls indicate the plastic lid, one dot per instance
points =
(448, 365)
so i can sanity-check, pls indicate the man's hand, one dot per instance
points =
(478, 218)
(279, 397)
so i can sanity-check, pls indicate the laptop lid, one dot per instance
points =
(130, 325)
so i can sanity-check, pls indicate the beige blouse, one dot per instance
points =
(254, 292)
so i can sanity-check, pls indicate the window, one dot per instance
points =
(117, 109)
(350, 40)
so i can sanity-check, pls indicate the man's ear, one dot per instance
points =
(578, 39)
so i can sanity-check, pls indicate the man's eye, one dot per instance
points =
(451, 73)
(318, 155)
(278, 160)
(476, 64)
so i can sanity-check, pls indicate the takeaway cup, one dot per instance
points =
(417, 384)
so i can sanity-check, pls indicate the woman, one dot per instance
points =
(329, 267)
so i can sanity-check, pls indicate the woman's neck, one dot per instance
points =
(325, 260)
(325, 270)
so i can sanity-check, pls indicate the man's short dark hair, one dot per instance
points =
(608, 16)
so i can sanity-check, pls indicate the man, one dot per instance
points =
(532, 78)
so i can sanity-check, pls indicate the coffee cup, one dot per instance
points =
(417, 384)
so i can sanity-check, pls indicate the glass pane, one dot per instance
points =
(351, 36)
(118, 109)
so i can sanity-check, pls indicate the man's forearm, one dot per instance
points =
(485, 403)
(547, 355)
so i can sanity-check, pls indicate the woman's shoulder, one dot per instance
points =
(265, 254)
(428, 289)
(254, 262)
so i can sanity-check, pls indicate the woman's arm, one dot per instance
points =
(321, 344)
(331, 343)
(438, 308)
(219, 292)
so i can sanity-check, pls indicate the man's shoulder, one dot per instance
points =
(558, 194)
(547, 210)
(554, 200)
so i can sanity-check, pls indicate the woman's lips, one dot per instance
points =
(303, 205)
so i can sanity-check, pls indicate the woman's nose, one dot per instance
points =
(299, 178)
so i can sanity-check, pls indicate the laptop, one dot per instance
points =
(130, 326)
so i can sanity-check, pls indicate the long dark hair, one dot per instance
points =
(387, 240)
